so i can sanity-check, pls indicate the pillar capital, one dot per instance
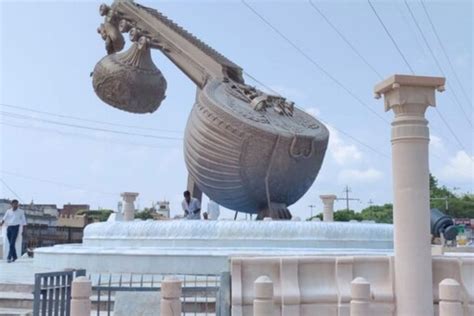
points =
(407, 94)
(129, 196)
(328, 197)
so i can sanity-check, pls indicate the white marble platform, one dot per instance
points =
(204, 247)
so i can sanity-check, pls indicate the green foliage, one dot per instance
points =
(378, 213)
(320, 216)
(460, 206)
(346, 215)
(145, 214)
(96, 216)
(99, 216)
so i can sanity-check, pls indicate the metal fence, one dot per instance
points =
(201, 294)
(52, 292)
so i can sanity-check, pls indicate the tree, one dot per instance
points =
(147, 213)
(96, 216)
(378, 213)
(460, 206)
(346, 215)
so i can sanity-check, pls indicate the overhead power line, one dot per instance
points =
(344, 38)
(411, 69)
(437, 62)
(83, 136)
(27, 117)
(62, 184)
(10, 189)
(443, 49)
(313, 62)
(89, 120)
(390, 36)
(315, 8)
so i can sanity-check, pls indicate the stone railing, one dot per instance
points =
(336, 285)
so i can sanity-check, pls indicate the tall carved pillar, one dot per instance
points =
(128, 207)
(409, 97)
(328, 210)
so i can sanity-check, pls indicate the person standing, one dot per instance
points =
(191, 206)
(13, 218)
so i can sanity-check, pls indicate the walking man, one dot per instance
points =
(13, 218)
(191, 206)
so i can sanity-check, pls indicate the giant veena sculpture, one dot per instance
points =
(245, 149)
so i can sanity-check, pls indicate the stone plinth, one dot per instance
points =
(409, 97)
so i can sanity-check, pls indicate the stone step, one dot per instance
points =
(9, 287)
(17, 300)
(15, 312)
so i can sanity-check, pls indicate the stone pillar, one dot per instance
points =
(263, 293)
(450, 301)
(81, 296)
(170, 304)
(194, 189)
(409, 97)
(360, 297)
(328, 211)
(128, 207)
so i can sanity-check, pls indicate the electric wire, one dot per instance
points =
(83, 136)
(436, 61)
(326, 122)
(62, 184)
(390, 36)
(89, 120)
(11, 190)
(313, 62)
(341, 35)
(443, 49)
(307, 57)
(27, 117)
(411, 69)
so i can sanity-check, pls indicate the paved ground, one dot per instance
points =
(21, 271)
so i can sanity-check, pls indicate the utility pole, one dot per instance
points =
(347, 190)
(311, 207)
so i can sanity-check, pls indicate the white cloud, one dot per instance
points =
(436, 143)
(314, 111)
(459, 168)
(354, 175)
(341, 152)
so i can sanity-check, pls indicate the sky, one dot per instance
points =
(49, 48)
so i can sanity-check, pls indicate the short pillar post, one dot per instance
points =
(81, 296)
(409, 97)
(171, 291)
(263, 301)
(450, 303)
(128, 207)
(328, 210)
(360, 297)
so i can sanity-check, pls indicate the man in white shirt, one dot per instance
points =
(191, 206)
(13, 218)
